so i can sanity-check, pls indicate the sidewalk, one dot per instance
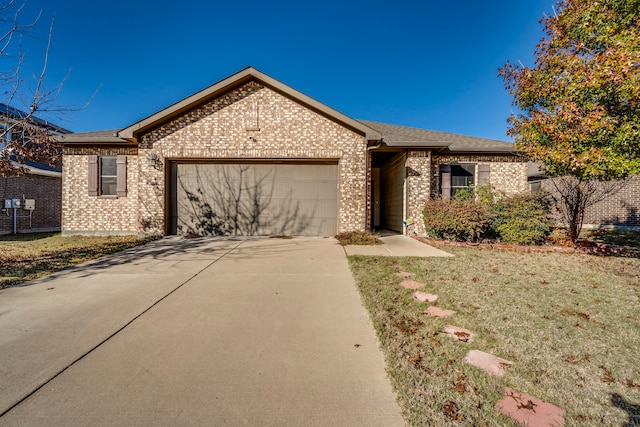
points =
(397, 245)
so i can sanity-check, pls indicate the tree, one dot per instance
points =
(580, 104)
(25, 95)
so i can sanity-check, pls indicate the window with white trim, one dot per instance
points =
(108, 176)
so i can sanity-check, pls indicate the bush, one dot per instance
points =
(483, 213)
(458, 219)
(521, 219)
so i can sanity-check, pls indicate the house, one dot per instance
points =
(249, 155)
(39, 184)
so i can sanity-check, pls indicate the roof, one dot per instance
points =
(15, 113)
(390, 135)
(404, 136)
(108, 137)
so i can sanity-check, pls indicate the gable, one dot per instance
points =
(251, 120)
(242, 79)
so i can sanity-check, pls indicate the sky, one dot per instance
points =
(421, 63)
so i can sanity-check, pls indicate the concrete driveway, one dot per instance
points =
(195, 332)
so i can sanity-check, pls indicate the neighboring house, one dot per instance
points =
(40, 184)
(252, 156)
(620, 209)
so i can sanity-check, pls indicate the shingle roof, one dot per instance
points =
(404, 136)
(97, 137)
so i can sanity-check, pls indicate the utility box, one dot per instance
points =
(16, 203)
(29, 204)
(6, 204)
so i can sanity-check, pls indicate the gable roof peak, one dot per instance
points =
(245, 75)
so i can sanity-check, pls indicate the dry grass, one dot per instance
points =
(361, 238)
(570, 323)
(29, 256)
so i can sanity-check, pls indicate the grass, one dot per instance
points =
(360, 238)
(629, 240)
(570, 324)
(29, 256)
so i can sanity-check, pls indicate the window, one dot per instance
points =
(462, 176)
(454, 178)
(108, 176)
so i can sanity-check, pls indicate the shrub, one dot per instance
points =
(458, 219)
(483, 213)
(357, 238)
(521, 219)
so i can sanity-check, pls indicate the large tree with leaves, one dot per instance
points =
(579, 106)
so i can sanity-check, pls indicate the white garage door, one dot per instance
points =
(254, 199)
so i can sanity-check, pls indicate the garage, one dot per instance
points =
(254, 198)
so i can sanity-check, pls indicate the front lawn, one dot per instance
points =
(29, 256)
(570, 323)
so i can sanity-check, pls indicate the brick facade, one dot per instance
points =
(418, 188)
(619, 210)
(84, 214)
(45, 190)
(508, 173)
(251, 122)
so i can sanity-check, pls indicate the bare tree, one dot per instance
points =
(25, 94)
(572, 197)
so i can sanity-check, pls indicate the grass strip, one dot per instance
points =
(29, 256)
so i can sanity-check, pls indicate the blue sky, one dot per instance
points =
(416, 63)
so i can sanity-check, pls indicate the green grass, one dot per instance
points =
(29, 256)
(570, 323)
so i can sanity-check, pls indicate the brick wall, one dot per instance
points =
(418, 188)
(507, 173)
(84, 214)
(250, 122)
(620, 209)
(45, 190)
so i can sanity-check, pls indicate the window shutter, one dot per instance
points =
(484, 174)
(93, 176)
(445, 181)
(121, 176)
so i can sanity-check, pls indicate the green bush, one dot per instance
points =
(521, 219)
(482, 213)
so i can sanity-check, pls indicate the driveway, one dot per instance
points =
(195, 332)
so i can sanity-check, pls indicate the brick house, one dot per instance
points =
(249, 155)
(38, 182)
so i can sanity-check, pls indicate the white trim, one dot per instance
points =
(36, 171)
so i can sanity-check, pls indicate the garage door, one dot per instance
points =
(254, 199)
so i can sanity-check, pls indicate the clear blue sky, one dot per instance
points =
(417, 63)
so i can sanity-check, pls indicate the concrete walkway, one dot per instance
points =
(397, 245)
(195, 332)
